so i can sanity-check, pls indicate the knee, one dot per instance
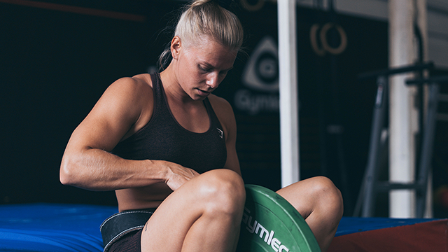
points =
(328, 195)
(224, 191)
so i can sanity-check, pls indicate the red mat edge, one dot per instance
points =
(429, 236)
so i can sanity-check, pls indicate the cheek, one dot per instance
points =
(189, 74)
(185, 75)
(189, 79)
(187, 70)
(194, 76)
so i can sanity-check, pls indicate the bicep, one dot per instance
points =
(232, 162)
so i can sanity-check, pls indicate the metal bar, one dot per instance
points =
(289, 115)
(435, 79)
(387, 186)
(401, 129)
(375, 139)
(428, 140)
(398, 70)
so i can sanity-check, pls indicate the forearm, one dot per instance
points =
(95, 169)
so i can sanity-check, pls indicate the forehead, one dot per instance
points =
(210, 51)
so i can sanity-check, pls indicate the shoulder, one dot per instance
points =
(221, 106)
(134, 91)
(127, 98)
(135, 86)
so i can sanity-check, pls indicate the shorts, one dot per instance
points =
(124, 229)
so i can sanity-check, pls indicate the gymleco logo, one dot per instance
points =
(257, 228)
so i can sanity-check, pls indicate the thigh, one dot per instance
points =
(170, 223)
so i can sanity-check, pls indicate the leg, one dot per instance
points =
(320, 203)
(202, 215)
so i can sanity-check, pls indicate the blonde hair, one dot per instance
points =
(206, 18)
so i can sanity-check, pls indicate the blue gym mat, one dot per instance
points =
(52, 227)
(56, 227)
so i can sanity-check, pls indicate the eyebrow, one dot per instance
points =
(208, 65)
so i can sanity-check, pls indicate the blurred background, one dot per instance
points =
(58, 57)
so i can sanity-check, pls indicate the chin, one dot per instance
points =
(199, 98)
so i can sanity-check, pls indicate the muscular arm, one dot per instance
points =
(87, 161)
(226, 117)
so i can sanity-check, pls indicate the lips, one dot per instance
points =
(203, 93)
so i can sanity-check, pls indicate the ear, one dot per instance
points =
(176, 45)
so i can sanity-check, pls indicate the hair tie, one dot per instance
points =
(224, 3)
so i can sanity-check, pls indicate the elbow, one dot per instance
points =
(67, 172)
(64, 177)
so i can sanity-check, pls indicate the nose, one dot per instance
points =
(213, 80)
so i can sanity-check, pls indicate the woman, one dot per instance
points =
(166, 145)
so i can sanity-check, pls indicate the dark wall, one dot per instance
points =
(55, 64)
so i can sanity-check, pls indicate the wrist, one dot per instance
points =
(160, 169)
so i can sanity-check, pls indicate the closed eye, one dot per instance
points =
(205, 69)
(208, 69)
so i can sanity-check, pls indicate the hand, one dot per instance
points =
(178, 175)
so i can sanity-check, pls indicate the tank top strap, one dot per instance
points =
(160, 108)
(155, 78)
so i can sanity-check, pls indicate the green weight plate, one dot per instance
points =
(272, 224)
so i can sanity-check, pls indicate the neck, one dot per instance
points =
(173, 90)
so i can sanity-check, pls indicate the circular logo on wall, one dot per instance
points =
(261, 78)
(261, 71)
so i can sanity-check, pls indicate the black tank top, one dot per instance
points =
(163, 138)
